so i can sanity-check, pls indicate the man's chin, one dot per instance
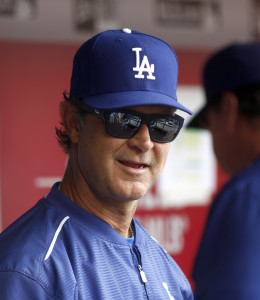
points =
(130, 191)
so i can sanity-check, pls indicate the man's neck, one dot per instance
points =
(118, 214)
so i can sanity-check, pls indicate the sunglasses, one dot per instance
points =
(125, 124)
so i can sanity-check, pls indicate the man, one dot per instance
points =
(228, 261)
(81, 241)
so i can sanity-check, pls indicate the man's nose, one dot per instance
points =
(141, 140)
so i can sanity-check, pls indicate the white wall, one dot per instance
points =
(53, 20)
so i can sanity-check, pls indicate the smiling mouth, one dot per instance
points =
(133, 164)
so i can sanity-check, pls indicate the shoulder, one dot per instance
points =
(25, 244)
(31, 233)
(243, 188)
(248, 178)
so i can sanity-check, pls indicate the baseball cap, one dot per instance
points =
(235, 66)
(122, 68)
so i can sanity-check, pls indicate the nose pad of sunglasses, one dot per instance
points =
(142, 134)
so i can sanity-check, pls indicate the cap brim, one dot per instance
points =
(132, 98)
(198, 121)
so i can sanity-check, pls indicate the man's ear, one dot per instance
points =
(229, 109)
(70, 120)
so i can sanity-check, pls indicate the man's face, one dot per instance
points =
(116, 169)
(216, 124)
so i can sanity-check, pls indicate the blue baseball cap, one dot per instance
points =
(235, 66)
(123, 68)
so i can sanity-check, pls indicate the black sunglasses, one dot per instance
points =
(125, 124)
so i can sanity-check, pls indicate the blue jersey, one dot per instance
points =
(227, 266)
(57, 250)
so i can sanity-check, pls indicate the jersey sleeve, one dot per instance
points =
(14, 285)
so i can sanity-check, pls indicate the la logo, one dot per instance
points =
(144, 67)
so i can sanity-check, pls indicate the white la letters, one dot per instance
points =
(144, 67)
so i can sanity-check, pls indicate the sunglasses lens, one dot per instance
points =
(122, 124)
(164, 130)
(126, 124)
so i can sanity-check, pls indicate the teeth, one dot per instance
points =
(133, 165)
